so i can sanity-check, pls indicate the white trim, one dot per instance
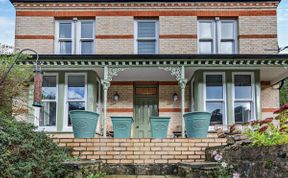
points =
(192, 109)
(65, 120)
(252, 100)
(156, 38)
(37, 109)
(75, 35)
(224, 100)
(216, 34)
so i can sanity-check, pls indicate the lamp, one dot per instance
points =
(175, 97)
(116, 97)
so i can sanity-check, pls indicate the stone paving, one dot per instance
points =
(140, 176)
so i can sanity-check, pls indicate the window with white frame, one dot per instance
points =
(215, 96)
(47, 115)
(76, 94)
(243, 96)
(217, 36)
(75, 37)
(146, 33)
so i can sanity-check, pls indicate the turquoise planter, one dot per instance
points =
(197, 124)
(122, 126)
(159, 126)
(84, 123)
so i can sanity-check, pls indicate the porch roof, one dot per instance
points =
(189, 60)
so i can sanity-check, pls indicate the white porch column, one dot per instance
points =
(106, 85)
(182, 83)
(108, 76)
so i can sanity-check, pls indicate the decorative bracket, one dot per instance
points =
(109, 73)
(178, 72)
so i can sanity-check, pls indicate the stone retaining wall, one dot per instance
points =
(140, 151)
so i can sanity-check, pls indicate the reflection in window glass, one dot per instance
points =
(65, 47)
(242, 111)
(243, 87)
(86, 29)
(214, 87)
(48, 114)
(76, 87)
(146, 29)
(205, 47)
(205, 29)
(65, 30)
(87, 47)
(227, 47)
(227, 30)
(147, 47)
(49, 95)
(217, 111)
(75, 105)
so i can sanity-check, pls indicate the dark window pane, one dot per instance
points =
(86, 47)
(49, 88)
(76, 87)
(147, 47)
(65, 30)
(214, 87)
(75, 105)
(243, 88)
(217, 110)
(48, 114)
(86, 29)
(242, 111)
(146, 29)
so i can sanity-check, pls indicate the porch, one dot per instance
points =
(161, 77)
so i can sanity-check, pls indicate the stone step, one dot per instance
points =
(141, 176)
(196, 170)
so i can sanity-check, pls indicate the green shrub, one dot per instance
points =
(267, 133)
(26, 153)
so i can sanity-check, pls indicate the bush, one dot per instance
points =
(26, 153)
(271, 131)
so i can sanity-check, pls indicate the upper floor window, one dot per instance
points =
(75, 37)
(146, 37)
(217, 36)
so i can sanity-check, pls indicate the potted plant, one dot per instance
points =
(197, 124)
(84, 123)
(159, 126)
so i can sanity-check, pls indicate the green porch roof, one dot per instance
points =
(193, 60)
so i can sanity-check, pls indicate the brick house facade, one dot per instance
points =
(252, 26)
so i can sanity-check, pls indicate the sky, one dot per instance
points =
(7, 23)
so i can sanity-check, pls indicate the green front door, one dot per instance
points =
(146, 105)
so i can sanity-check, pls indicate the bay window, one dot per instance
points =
(46, 116)
(146, 33)
(76, 94)
(215, 96)
(243, 97)
(217, 36)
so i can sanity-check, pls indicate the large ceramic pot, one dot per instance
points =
(197, 124)
(84, 123)
(122, 126)
(159, 126)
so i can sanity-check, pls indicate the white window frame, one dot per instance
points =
(66, 100)
(37, 109)
(224, 100)
(136, 38)
(75, 35)
(252, 100)
(216, 34)
(80, 40)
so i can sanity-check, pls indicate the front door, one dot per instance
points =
(146, 105)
